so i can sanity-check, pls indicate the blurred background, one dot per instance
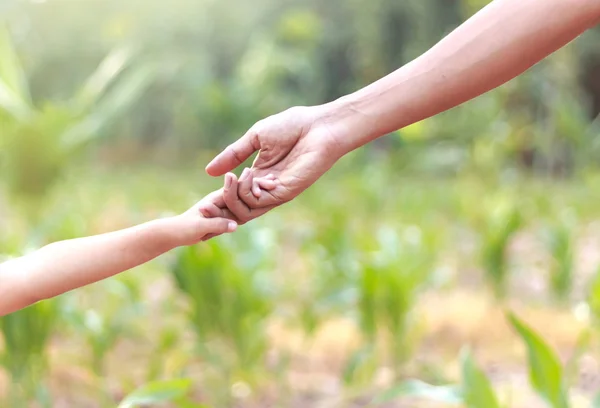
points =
(454, 262)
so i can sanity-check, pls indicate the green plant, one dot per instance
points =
(501, 224)
(229, 300)
(559, 244)
(27, 334)
(477, 391)
(545, 370)
(361, 366)
(159, 392)
(474, 391)
(448, 394)
(102, 328)
(333, 269)
(388, 286)
(40, 142)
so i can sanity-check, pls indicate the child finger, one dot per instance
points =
(266, 184)
(245, 184)
(239, 209)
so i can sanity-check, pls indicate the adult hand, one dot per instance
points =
(299, 145)
(296, 147)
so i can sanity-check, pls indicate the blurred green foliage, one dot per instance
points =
(545, 370)
(229, 303)
(27, 334)
(224, 65)
(502, 222)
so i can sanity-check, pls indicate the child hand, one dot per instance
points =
(192, 227)
(214, 204)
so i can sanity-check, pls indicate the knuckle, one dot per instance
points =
(236, 154)
(293, 110)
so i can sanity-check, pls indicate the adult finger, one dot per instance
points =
(234, 154)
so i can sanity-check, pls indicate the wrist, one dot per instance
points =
(166, 233)
(350, 126)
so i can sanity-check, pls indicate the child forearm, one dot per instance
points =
(67, 265)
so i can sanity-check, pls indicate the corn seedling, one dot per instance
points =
(122, 306)
(27, 334)
(475, 389)
(388, 287)
(501, 225)
(225, 283)
(559, 244)
(545, 370)
(361, 366)
(161, 392)
(335, 267)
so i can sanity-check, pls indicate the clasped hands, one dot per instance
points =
(296, 147)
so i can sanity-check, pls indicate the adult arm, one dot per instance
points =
(500, 42)
(299, 145)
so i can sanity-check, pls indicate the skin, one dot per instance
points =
(63, 266)
(67, 265)
(299, 145)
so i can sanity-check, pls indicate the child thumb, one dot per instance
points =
(220, 225)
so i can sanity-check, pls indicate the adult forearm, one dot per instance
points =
(501, 41)
(67, 265)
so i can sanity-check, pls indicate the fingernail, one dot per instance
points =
(232, 226)
(245, 174)
(228, 180)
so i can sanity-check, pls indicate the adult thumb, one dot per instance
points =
(234, 155)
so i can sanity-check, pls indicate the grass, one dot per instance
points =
(293, 311)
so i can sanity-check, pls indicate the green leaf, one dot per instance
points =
(448, 394)
(126, 92)
(14, 93)
(117, 100)
(545, 371)
(11, 103)
(477, 389)
(359, 359)
(157, 392)
(104, 76)
(12, 73)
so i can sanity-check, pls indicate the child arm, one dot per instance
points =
(63, 266)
